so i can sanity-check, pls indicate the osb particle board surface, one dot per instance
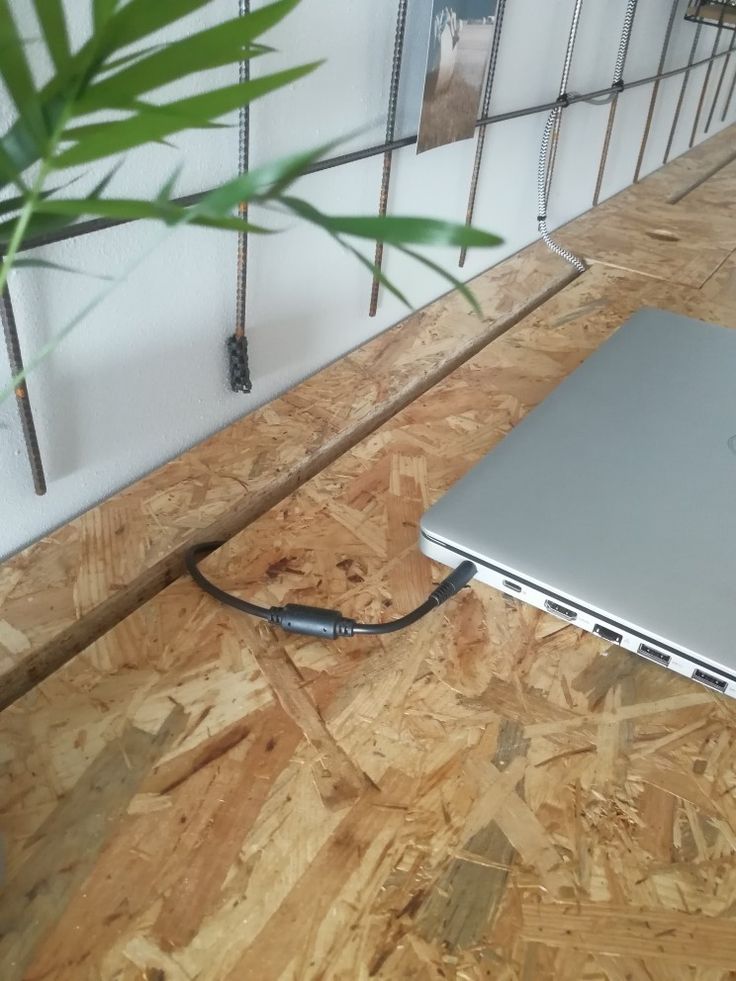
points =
(640, 230)
(491, 794)
(58, 595)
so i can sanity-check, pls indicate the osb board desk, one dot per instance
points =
(491, 794)
(60, 594)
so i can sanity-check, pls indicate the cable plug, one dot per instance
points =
(457, 580)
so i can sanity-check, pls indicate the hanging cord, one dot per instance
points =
(623, 48)
(574, 260)
(618, 85)
(237, 345)
(313, 621)
(562, 98)
(550, 139)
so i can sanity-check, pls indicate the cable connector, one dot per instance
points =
(563, 99)
(619, 85)
(311, 621)
(457, 580)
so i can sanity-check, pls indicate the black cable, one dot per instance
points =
(313, 620)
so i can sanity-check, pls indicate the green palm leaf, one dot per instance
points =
(197, 111)
(50, 14)
(395, 230)
(17, 76)
(223, 44)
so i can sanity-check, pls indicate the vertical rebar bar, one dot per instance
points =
(727, 106)
(706, 80)
(485, 111)
(655, 90)
(393, 98)
(678, 107)
(618, 76)
(721, 77)
(555, 136)
(22, 400)
(244, 380)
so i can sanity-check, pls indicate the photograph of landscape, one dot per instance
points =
(459, 47)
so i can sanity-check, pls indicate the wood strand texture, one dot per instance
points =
(492, 794)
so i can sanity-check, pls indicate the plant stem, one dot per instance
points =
(22, 223)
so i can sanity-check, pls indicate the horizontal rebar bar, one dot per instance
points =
(101, 224)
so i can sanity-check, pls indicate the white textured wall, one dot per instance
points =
(144, 377)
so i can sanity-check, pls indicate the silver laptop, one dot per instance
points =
(613, 504)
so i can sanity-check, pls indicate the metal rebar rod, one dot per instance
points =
(242, 259)
(678, 108)
(393, 98)
(555, 137)
(102, 224)
(486, 108)
(721, 77)
(655, 90)
(22, 399)
(706, 80)
(727, 105)
(618, 75)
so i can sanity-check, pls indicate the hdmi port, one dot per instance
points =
(709, 680)
(560, 611)
(513, 586)
(653, 654)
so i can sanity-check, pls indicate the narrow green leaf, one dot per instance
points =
(260, 182)
(23, 263)
(223, 44)
(174, 117)
(124, 60)
(456, 283)
(395, 230)
(141, 18)
(16, 203)
(38, 226)
(50, 14)
(11, 204)
(97, 190)
(17, 76)
(102, 11)
(131, 209)
(167, 188)
(228, 224)
(80, 134)
(374, 270)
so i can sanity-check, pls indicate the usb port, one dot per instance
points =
(653, 654)
(709, 680)
(513, 586)
(560, 611)
(607, 634)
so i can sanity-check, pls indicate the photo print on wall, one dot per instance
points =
(460, 40)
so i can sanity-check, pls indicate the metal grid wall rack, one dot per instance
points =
(721, 15)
